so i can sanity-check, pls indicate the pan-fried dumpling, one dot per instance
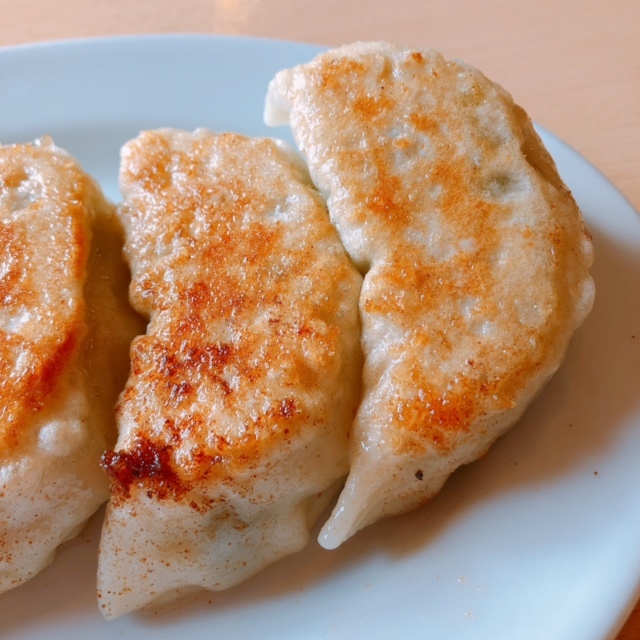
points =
(475, 258)
(65, 328)
(233, 424)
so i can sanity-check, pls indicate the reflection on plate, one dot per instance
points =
(539, 539)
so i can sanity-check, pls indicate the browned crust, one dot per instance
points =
(354, 100)
(224, 314)
(43, 252)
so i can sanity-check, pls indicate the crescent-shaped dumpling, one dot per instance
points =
(474, 252)
(65, 328)
(233, 424)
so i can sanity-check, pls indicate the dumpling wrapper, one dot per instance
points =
(233, 424)
(474, 252)
(65, 328)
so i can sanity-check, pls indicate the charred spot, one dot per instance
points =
(147, 464)
(419, 474)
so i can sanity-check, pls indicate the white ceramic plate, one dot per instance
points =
(539, 539)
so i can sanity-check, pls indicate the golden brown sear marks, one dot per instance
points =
(43, 254)
(237, 266)
(65, 331)
(423, 158)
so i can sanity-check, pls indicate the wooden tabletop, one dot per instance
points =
(573, 64)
